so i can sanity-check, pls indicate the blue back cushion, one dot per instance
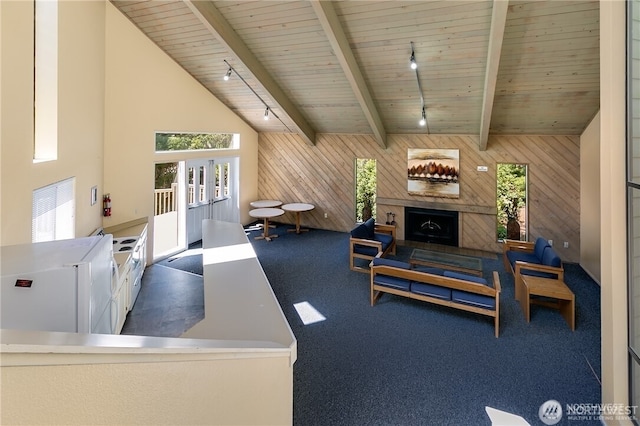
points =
(538, 248)
(371, 227)
(360, 231)
(550, 258)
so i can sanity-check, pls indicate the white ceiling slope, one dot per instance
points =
(484, 67)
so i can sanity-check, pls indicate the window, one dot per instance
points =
(511, 200)
(196, 141)
(633, 197)
(365, 189)
(197, 180)
(45, 76)
(53, 213)
(222, 180)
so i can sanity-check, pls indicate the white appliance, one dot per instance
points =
(137, 246)
(64, 285)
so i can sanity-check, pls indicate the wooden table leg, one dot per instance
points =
(297, 230)
(568, 311)
(265, 235)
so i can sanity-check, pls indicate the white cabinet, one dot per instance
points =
(123, 297)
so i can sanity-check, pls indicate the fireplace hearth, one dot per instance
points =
(431, 226)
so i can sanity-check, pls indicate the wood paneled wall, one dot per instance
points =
(292, 171)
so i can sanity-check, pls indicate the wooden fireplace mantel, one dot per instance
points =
(466, 208)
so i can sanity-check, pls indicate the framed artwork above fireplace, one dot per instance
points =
(433, 172)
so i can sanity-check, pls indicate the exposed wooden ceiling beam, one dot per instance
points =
(340, 45)
(496, 35)
(211, 17)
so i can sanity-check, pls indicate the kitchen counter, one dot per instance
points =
(235, 366)
(238, 300)
(128, 229)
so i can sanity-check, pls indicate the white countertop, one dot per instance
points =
(239, 301)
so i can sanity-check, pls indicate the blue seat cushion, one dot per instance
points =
(460, 276)
(360, 231)
(431, 290)
(538, 248)
(385, 239)
(550, 258)
(370, 224)
(514, 256)
(393, 282)
(540, 274)
(365, 250)
(429, 270)
(473, 299)
(468, 298)
(390, 262)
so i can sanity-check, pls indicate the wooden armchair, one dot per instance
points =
(531, 258)
(369, 240)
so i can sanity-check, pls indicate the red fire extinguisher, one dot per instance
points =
(106, 204)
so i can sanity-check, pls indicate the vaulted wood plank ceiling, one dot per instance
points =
(485, 67)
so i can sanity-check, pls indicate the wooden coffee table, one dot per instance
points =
(554, 289)
(452, 262)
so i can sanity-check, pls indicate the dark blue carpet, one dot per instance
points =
(406, 362)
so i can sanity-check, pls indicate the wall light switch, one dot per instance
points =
(483, 168)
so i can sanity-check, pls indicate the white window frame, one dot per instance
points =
(53, 212)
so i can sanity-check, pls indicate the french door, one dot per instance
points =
(212, 193)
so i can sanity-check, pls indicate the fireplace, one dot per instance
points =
(431, 226)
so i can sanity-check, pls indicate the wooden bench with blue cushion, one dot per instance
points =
(435, 285)
(370, 239)
(537, 259)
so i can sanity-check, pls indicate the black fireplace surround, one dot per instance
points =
(431, 226)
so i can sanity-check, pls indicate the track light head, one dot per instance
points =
(412, 60)
(227, 75)
(423, 120)
(266, 114)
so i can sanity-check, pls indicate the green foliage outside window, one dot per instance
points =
(511, 193)
(365, 189)
(166, 175)
(193, 141)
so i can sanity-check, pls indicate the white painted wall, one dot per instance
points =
(590, 199)
(80, 108)
(613, 231)
(147, 92)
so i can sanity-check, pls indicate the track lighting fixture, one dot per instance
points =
(268, 112)
(414, 66)
(412, 60)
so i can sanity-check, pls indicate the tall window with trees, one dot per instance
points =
(366, 180)
(511, 200)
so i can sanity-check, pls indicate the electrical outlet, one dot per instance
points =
(550, 242)
(566, 244)
(326, 215)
